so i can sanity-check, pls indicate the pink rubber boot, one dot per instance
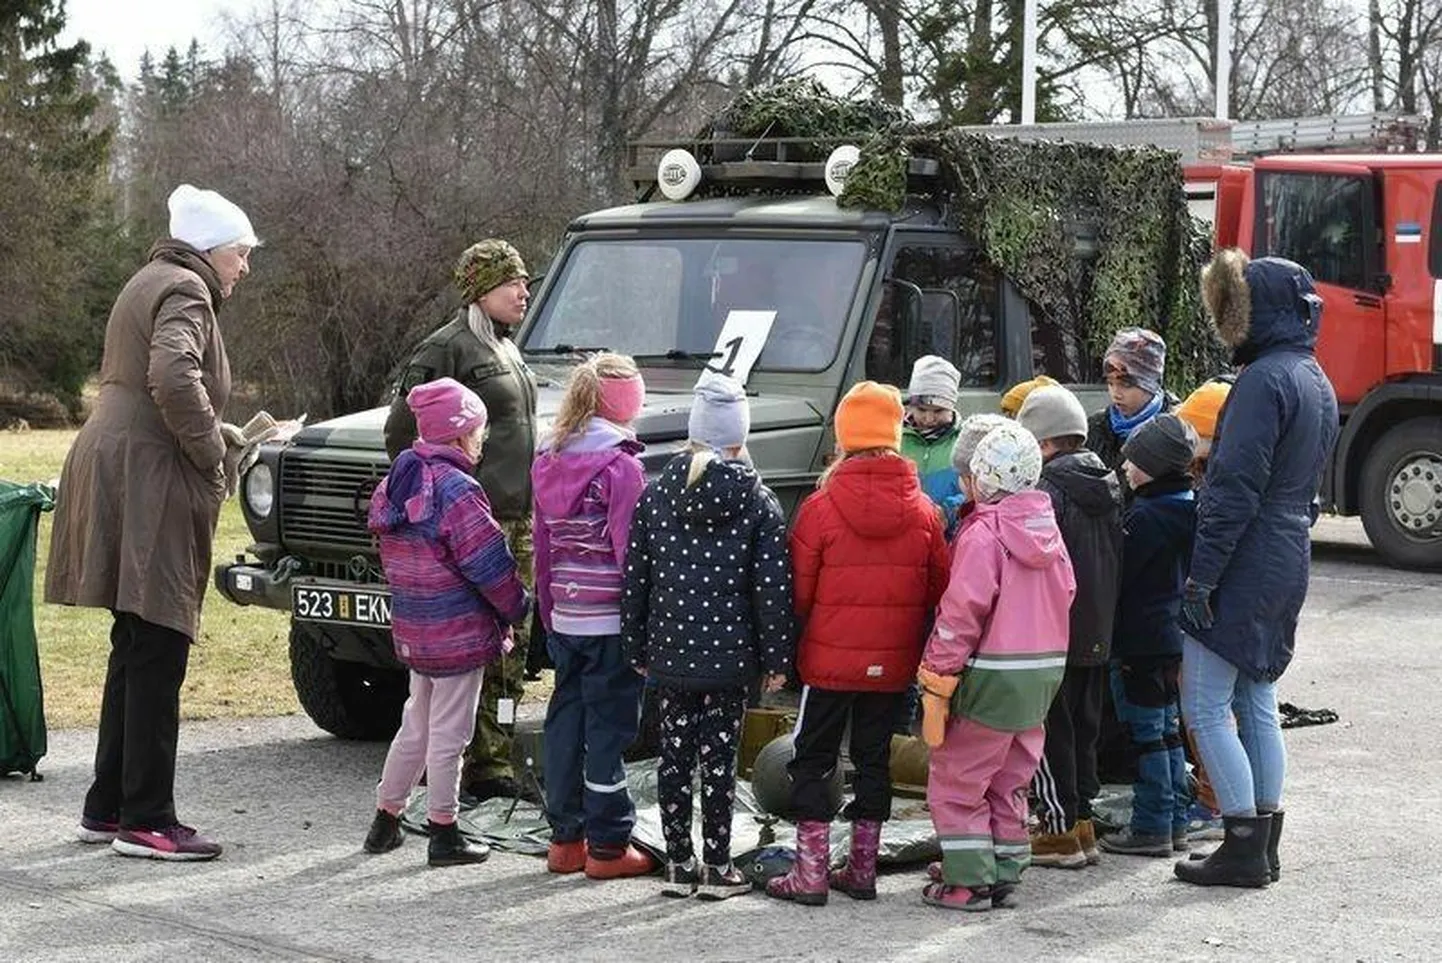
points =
(806, 883)
(857, 878)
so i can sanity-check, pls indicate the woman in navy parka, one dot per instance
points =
(1252, 553)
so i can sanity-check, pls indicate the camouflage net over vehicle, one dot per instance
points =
(1096, 238)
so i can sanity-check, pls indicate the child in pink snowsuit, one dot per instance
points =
(993, 663)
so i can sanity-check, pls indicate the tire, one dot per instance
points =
(1401, 495)
(347, 699)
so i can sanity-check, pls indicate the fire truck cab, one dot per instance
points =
(1369, 229)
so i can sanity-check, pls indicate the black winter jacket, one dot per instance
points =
(1155, 554)
(1087, 500)
(707, 603)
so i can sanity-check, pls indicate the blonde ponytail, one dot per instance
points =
(701, 456)
(583, 393)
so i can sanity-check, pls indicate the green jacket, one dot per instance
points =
(507, 387)
(939, 478)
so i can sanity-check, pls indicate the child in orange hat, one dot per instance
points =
(869, 559)
(1201, 410)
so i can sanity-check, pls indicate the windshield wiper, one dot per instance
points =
(562, 349)
(676, 354)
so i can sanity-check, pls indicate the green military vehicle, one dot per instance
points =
(771, 282)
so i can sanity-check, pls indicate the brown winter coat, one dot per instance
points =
(142, 485)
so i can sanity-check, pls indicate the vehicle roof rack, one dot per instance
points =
(773, 165)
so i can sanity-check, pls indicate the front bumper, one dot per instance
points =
(255, 583)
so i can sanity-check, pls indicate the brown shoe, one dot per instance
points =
(631, 862)
(1086, 834)
(1058, 850)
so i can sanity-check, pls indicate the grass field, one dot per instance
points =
(239, 666)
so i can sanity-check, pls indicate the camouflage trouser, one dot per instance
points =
(489, 754)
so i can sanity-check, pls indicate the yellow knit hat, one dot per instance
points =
(869, 417)
(1012, 401)
(1202, 406)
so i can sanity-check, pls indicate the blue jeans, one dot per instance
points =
(1145, 696)
(1248, 764)
(593, 715)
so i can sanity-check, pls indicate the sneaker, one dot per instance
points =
(96, 831)
(1086, 835)
(681, 879)
(176, 843)
(1130, 843)
(385, 833)
(1058, 850)
(1203, 825)
(722, 882)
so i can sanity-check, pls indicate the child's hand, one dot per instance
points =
(773, 683)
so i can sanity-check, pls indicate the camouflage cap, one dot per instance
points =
(487, 265)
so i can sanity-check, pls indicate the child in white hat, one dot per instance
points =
(930, 430)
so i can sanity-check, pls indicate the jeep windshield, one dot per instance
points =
(664, 300)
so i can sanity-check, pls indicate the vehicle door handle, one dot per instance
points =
(1367, 300)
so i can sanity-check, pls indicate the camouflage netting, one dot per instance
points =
(1097, 238)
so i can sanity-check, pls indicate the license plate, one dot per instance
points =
(322, 603)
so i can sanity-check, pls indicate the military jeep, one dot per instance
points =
(772, 276)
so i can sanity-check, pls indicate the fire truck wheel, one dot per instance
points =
(347, 699)
(1401, 494)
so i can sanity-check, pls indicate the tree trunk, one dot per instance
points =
(1374, 55)
(891, 83)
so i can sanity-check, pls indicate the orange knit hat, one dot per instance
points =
(869, 417)
(1202, 406)
(1012, 401)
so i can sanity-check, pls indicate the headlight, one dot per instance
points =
(259, 490)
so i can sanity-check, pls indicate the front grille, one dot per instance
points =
(324, 498)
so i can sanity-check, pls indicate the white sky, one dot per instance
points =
(126, 28)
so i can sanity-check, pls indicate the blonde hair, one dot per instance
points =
(583, 393)
(846, 456)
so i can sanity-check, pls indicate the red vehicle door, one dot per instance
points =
(1326, 216)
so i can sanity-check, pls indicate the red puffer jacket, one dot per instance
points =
(870, 562)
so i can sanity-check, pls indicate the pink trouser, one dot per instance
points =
(977, 794)
(436, 725)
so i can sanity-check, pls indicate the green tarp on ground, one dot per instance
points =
(22, 702)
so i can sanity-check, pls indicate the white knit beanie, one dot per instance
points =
(1007, 461)
(206, 221)
(720, 415)
(934, 381)
(969, 435)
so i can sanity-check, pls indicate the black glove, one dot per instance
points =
(1197, 607)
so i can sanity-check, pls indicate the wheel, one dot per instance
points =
(351, 700)
(1401, 494)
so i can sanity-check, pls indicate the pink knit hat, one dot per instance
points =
(445, 410)
(621, 399)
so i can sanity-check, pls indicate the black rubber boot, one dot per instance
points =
(1241, 860)
(449, 848)
(1274, 862)
(385, 833)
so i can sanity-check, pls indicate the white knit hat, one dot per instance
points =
(1007, 461)
(205, 220)
(1053, 412)
(934, 381)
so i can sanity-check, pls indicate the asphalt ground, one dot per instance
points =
(1361, 879)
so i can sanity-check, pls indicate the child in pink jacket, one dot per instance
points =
(993, 663)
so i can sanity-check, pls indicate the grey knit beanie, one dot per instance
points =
(720, 415)
(934, 381)
(1163, 446)
(969, 435)
(1052, 412)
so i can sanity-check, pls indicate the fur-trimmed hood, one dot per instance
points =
(1262, 304)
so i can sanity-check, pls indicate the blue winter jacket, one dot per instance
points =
(1273, 438)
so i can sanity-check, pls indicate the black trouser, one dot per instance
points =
(139, 725)
(1066, 781)
(824, 715)
(704, 727)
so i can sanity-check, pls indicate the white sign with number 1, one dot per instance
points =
(739, 345)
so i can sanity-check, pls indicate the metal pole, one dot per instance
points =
(1028, 63)
(1223, 82)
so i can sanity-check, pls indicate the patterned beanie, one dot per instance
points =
(869, 416)
(445, 410)
(1012, 401)
(1141, 355)
(968, 436)
(1007, 461)
(486, 266)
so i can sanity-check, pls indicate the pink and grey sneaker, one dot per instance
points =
(95, 831)
(176, 843)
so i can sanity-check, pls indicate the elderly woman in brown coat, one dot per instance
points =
(139, 498)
